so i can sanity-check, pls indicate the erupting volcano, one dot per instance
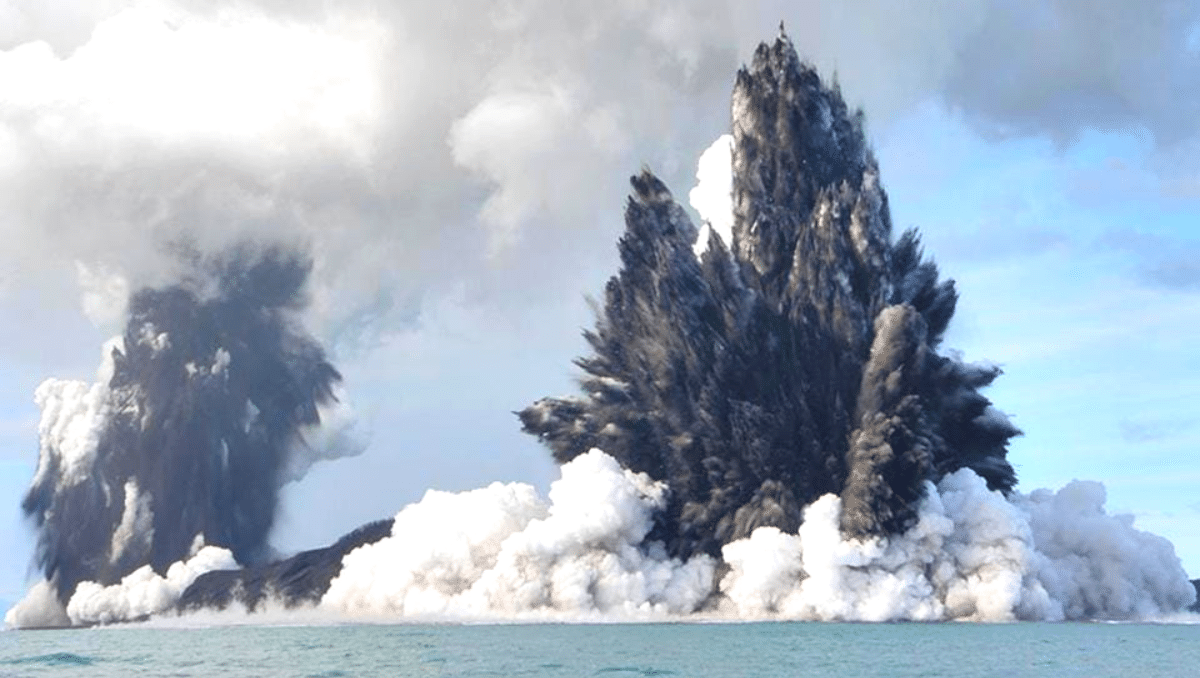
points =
(800, 359)
(769, 427)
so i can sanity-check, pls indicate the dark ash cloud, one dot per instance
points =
(798, 361)
(200, 421)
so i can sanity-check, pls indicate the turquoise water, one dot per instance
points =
(611, 651)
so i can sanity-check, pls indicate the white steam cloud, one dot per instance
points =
(451, 141)
(38, 609)
(503, 552)
(74, 414)
(137, 520)
(338, 433)
(712, 197)
(138, 595)
(143, 592)
(973, 555)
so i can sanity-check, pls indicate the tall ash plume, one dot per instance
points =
(198, 420)
(800, 359)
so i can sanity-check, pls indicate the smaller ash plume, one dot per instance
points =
(198, 421)
(800, 359)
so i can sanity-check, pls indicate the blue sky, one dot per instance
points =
(1078, 275)
(461, 174)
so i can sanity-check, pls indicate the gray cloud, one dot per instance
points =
(460, 141)
(411, 147)
(1058, 67)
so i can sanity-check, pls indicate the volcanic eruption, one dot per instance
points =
(768, 427)
(800, 359)
(198, 420)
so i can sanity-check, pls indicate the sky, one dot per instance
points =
(458, 171)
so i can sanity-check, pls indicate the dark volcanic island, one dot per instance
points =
(798, 360)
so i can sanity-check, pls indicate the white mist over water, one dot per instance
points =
(504, 552)
(143, 592)
(973, 555)
(138, 595)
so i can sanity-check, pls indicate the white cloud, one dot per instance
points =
(413, 146)
(524, 143)
(713, 195)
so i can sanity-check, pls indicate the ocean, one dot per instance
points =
(962, 650)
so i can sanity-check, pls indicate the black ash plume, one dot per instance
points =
(801, 360)
(196, 429)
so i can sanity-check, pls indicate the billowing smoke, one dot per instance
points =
(205, 407)
(798, 360)
(585, 552)
(504, 551)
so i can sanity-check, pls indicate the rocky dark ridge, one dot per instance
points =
(798, 360)
(300, 580)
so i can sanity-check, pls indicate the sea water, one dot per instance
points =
(611, 650)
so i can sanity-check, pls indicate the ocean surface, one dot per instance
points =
(611, 650)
